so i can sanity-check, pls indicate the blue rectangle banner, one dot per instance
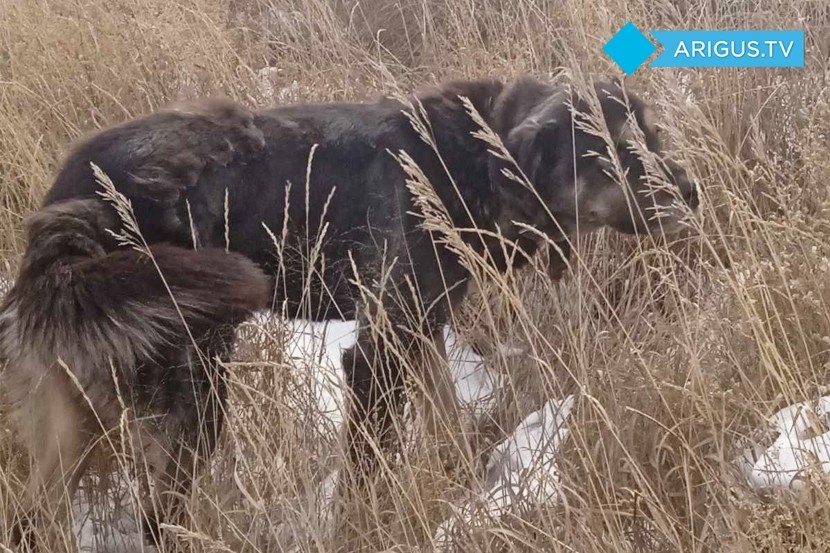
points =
(730, 48)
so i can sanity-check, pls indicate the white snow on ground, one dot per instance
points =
(474, 384)
(318, 347)
(521, 471)
(106, 524)
(523, 466)
(802, 443)
(323, 344)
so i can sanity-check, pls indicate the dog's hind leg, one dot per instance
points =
(168, 459)
(56, 424)
(174, 448)
(376, 382)
(166, 469)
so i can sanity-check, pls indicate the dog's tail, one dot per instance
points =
(80, 299)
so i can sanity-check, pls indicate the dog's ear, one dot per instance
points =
(611, 85)
(533, 146)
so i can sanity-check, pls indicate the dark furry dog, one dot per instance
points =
(305, 210)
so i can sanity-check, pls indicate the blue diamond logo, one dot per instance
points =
(629, 48)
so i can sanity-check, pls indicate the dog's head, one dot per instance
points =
(590, 178)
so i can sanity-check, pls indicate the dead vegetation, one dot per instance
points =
(676, 352)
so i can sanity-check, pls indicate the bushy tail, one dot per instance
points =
(79, 299)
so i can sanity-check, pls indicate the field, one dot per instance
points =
(677, 353)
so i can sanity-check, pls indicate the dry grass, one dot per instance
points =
(677, 352)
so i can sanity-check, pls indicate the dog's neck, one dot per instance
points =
(517, 102)
(497, 204)
(524, 208)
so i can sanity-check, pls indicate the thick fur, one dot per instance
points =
(89, 330)
(313, 197)
(80, 299)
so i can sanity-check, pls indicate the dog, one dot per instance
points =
(308, 210)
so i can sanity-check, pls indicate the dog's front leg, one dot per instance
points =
(375, 397)
(444, 423)
(376, 385)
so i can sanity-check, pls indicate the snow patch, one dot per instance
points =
(318, 347)
(521, 472)
(106, 522)
(801, 444)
